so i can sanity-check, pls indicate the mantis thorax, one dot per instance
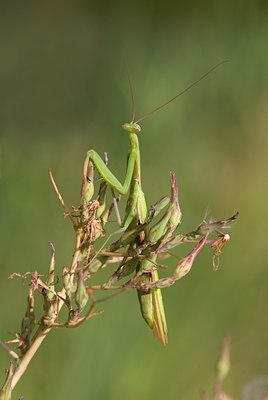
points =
(131, 127)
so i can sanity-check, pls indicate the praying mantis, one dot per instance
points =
(136, 214)
(144, 239)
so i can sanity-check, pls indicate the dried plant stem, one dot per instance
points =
(67, 212)
(40, 336)
(42, 331)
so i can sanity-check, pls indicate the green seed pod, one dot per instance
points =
(159, 229)
(87, 190)
(176, 215)
(124, 270)
(49, 296)
(127, 237)
(6, 391)
(170, 243)
(100, 210)
(104, 217)
(101, 199)
(51, 271)
(68, 285)
(186, 263)
(159, 206)
(81, 296)
(66, 279)
(96, 264)
(28, 321)
(171, 219)
(50, 307)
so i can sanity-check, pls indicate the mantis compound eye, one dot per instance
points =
(131, 127)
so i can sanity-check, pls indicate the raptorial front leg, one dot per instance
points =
(106, 173)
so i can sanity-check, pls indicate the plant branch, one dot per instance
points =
(8, 350)
(42, 331)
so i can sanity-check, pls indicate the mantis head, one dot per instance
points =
(131, 127)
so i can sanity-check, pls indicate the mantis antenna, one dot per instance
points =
(179, 94)
(132, 93)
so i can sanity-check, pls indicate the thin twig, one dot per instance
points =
(103, 287)
(67, 212)
(80, 321)
(8, 350)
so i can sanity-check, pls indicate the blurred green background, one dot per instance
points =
(64, 90)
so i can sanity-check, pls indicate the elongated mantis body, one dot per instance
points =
(136, 213)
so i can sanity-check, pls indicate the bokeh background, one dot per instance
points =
(64, 90)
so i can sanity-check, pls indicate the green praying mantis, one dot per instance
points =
(158, 237)
(146, 236)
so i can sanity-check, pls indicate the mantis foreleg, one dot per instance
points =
(108, 176)
(136, 206)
